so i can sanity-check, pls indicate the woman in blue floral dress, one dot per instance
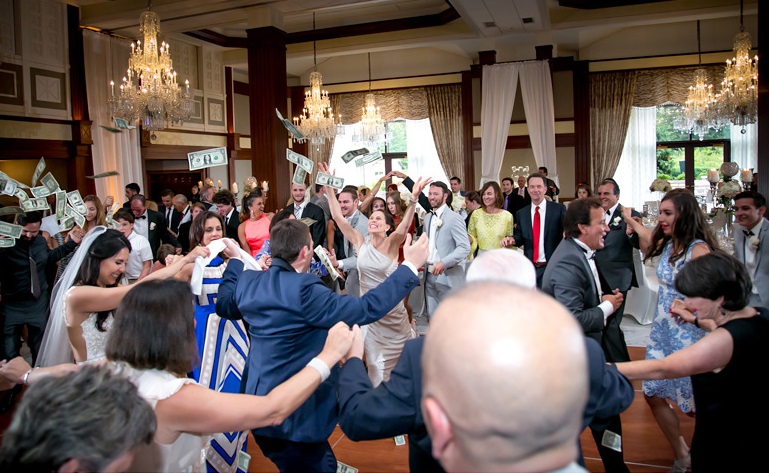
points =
(681, 234)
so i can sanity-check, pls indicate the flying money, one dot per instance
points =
(300, 160)
(298, 135)
(32, 205)
(324, 259)
(350, 155)
(368, 159)
(7, 187)
(61, 203)
(11, 210)
(10, 230)
(300, 175)
(40, 191)
(104, 174)
(38, 171)
(50, 183)
(7, 242)
(66, 224)
(76, 201)
(324, 179)
(207, 158)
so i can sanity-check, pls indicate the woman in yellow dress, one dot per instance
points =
(490, 224)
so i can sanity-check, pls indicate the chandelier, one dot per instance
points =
(371, 129)
(317, 119)
(150, 92)
(739, 89)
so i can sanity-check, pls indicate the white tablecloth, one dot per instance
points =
(642, 300)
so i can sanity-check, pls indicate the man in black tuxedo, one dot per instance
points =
(616, 267)
(306, 209)
(456, 186)
(520, 196)
(507, 194)
(538, 248)
(572, 279)
(170, 214)
(131, 189)
(224, 201)
(206, 194)
(151, 225)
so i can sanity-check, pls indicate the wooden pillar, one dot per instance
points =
(762, 162)
(267, 91)
(581, 82)
(82, 157)
(468, 167)
(233, 139)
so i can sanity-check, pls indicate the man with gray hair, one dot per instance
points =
(475, 366)
(89, 420)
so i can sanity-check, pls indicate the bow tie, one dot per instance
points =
(143, 216)
(748, 233)
(590, 253)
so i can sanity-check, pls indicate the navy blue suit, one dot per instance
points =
(393, 407)
(288, 316)
(554, 214)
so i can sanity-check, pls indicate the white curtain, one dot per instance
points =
(745, 146)
(499, 84)
(106, 59)
(537, 95)
(421, 152)
(638, 164)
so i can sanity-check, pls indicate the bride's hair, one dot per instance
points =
(154, 328)
(106, 245)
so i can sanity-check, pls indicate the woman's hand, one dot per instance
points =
(681, 313)
(108, 201)
(199, 250)
(231, 248)
(338, 342)
(265, 261)
(507, 242)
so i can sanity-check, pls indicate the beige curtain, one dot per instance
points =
(444, 105)
(410, 104)
(657, 86)
(611, 100)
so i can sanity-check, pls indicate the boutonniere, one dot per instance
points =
(616, 221)
(152, 225)
(754, 242)
(438, 222)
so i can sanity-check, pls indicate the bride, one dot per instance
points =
(377, 259)
(88, 293)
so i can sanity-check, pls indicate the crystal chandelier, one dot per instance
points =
(371, 129)
(739, 89)
(699, 111)
(150, 92)
(317, 119)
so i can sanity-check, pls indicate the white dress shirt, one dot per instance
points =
(141, 226)
(438, 213)
(542, 206)
(606, 307)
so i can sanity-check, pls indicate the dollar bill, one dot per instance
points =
(300, 176)
(207, 158)
(38, 171)
(72, 213)
(290, 126)
(32, 205)
(7, 187)
(21, 194)
(40, 191)
(324, 179)
(350, 155)
(76, 201)
(10, 230)
(50, 183)
(66, 224)
(104, 174)
(345, 468)
(61, 203)
(326, 261)
(308, 221)
(11, 210)
(368, 158)
(122, 124)
(300, 160)
(7, 242)
(111, 212)
(18, 184)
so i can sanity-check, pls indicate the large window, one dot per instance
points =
(409, 149)
(684, 159)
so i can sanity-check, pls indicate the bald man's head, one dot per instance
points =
(503, 265)
(504, 389)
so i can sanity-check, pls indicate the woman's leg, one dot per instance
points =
(668, 421)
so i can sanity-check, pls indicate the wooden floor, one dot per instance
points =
(645, 447)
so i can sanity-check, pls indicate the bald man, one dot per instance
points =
(504, 393)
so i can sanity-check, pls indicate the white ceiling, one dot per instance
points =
(483, 24)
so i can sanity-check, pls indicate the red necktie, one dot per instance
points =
(535, 232)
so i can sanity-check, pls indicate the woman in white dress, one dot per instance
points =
(87, 293)
(377, 259)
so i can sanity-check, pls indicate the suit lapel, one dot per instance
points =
(762, 241)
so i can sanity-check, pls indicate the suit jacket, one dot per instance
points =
(554, 213)
(176, 219)
(552, 189)
(288, 316)
(317, 229)
(159, 232)
(393, 407)
(231, 227)
(615, 259)
(515, 202)
(452, 245)
(390, 409)
(184, 236)
(570, 281)
(761, 278)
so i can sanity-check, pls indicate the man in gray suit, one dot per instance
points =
(449, 247)
(616, 267)
(572, 279)
(348, 202)
(751, 242)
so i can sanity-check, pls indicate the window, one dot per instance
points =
(410, 149)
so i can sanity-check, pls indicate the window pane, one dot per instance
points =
(705, 157)
(397, 131)
(665, 118)
(670, 163)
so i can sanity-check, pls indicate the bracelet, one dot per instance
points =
(320, 367)
(25, 378)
